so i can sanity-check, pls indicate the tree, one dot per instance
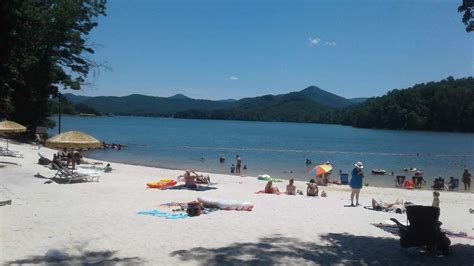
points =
(468, 16)
(42, 49)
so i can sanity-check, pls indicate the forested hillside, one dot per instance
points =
(447, 105)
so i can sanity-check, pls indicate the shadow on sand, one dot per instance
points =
(84, 258)
(56, 180)
(182, 187)
(331, 249)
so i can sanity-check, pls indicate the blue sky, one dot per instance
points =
(235, 49)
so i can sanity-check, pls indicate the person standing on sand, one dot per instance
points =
(356, 182)
(238, 165)
(435, 199)
(466, 179)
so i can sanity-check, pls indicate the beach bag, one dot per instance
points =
(194, 208)
(409, 184)
(43, 161)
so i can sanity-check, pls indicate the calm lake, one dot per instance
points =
(279, 149)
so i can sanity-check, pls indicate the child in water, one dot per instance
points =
(232, 169)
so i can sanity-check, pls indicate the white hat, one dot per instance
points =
(359, 165)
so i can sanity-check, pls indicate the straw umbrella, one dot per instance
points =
(9, 127)
(73, 139)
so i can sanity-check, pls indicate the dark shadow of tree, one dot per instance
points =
(84, 257)
(331, 249)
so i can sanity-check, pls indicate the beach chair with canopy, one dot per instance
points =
(70, 175)
(438, 184)
(424, 229)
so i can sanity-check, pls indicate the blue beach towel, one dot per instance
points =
(166, 215)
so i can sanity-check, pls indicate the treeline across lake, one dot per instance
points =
(447, 105)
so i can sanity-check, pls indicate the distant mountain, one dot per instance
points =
(447, 105)
(291, 107)
(179, 97)
(75, 98)
(305, 105)
(358, 100)
(142, 105)
(326, 98)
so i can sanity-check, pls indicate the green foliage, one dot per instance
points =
(142, 105)
(291, 107)
(447, 105)
(42, 49)
(70, 108)
(467, 8)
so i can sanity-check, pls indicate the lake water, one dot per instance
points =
(279, 149)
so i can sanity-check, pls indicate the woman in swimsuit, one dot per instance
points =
(270, 189)
(189, 180)
(291, 188)
(312, 190)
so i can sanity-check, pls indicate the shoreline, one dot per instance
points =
(335, 177)
(101, 218)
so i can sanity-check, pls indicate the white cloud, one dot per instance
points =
(330, 43)
(233, 78)
(313, 41)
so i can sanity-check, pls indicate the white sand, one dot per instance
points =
(98, 222)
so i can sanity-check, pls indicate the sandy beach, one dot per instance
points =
(98, 222)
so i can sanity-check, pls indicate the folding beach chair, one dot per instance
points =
(454, 184)
(344, 179)
(418, 181)
(10, 153)
(438, 184)
(400, 180)
(70, 175)
(424, 229)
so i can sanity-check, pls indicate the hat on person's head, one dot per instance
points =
(327, 162)
(359, 165)
(312, 180)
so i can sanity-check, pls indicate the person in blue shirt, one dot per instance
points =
(356, 182)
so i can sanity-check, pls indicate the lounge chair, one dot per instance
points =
(344, 178)
(400, 180)
(424, 229)
(70, 175)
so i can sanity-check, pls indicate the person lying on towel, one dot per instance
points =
(399, 206)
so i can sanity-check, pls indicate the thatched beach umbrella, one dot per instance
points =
(73, 139)
(9, 127)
